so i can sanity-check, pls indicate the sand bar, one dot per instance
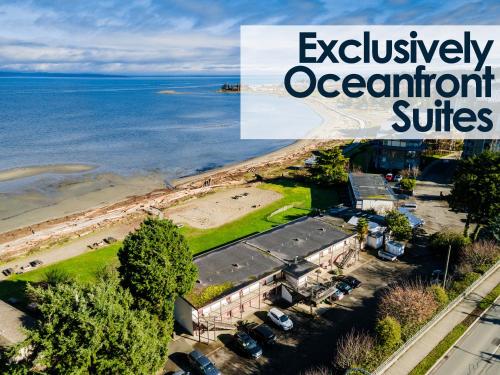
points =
(23, 172)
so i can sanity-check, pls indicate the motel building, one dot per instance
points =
(289, 262)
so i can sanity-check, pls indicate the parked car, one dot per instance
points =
(280, 319)
(389, 177)
(247, 345)
(351, 280)
(337, 295)
(387, 256)
(36, 263)
(181, 372)
(344, 287)
(261, 332)
(398, 178)
(8, 271)
(202, 364)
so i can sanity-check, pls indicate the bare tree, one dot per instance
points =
(410, 303)
(353, 349)
(480, 253)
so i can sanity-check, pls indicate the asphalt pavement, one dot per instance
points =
(478, 351)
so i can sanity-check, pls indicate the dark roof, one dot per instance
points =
(299, 238)
(370, 186)
(300, 269)
(255, 257)
(237, 263)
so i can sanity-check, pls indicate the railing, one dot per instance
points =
(398, 353)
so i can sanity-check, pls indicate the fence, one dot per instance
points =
(398, 353)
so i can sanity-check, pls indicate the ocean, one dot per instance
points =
(123, 125)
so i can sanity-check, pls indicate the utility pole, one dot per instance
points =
(447, 264)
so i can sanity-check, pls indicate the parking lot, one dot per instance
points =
(312, 340)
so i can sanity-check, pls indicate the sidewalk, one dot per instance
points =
(431, 338)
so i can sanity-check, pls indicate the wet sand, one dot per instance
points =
(30, 171)
(49, 199)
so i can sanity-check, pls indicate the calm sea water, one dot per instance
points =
(123, 125)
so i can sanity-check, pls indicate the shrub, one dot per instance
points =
(410, 303)
(399, 225)
(459, 285)
(440, 241)
(55, 276)
(388, 332)
(353, 349)
(480, 255)
(439, 295)
(408, 184)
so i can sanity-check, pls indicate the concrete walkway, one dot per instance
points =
(477, 351)
(431, 338)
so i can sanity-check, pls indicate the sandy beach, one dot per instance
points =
(30, 171)
(81, 213)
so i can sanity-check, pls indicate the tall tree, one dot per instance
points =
(156, 265)
(331, 167)
(92, 329)
(476, 189)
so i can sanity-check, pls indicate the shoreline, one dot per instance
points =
(18, 242)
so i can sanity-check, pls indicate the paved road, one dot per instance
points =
(478, 352)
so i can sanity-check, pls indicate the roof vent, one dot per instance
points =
(321, 229)
(236, 265)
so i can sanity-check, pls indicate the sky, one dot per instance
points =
(186, 36)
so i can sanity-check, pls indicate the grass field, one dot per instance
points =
(302, 197)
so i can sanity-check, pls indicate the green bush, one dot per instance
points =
(459, 285)
(55, 276)
(408, 184)
(388, 332)
(399, 225)
(440, 241)
(439, 295)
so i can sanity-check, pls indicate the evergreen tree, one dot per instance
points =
(156, 265)
(331, 167)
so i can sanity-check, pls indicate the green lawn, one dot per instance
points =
(301, 196)
(82, 267)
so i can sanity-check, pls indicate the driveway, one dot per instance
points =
(431, 207)
(312, 341)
